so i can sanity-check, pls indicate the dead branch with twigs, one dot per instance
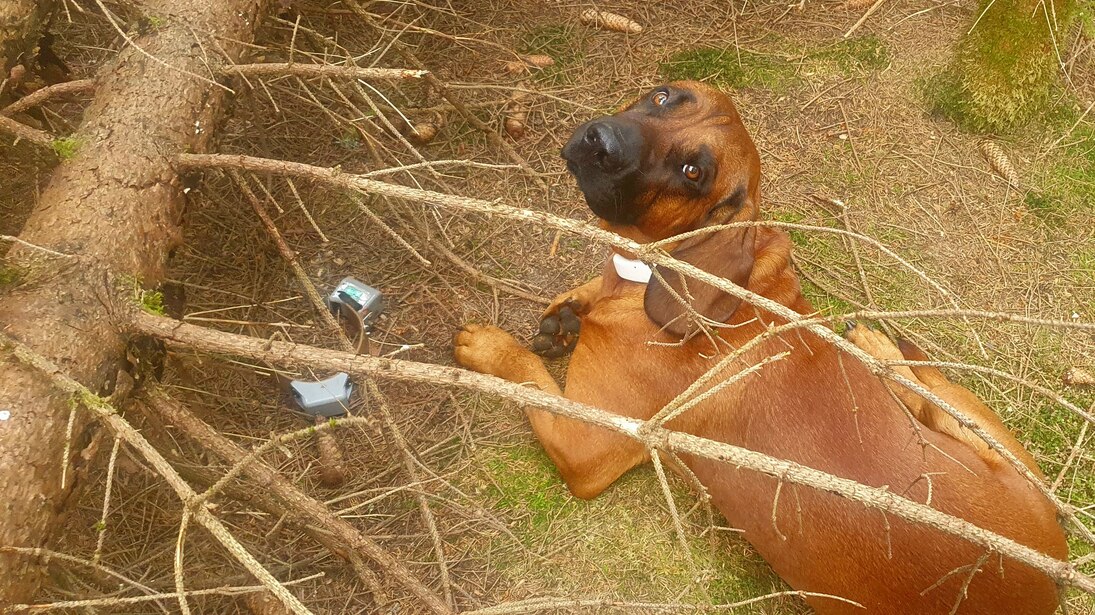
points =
(651, 434)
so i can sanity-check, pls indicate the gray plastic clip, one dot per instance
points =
(330, 397)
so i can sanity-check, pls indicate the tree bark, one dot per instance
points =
(115, 206)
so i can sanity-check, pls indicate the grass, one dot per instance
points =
(620, 543)
(731, 69)
(1004, 71)
(563, 43)
(857, 54)
(738, 68)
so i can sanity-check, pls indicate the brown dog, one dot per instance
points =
(679, 159)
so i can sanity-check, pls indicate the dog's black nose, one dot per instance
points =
(602, 145)
(606, 144)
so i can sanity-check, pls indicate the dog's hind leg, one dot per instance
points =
(960, 398)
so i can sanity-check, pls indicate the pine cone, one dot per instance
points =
(1074, 376)
(999, 162)
(516, 114)
(610, 21)
(332, 469)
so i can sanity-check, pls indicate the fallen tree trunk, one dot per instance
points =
(114, 208)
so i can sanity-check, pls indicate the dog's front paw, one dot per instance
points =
(484, 348)
(558, 331)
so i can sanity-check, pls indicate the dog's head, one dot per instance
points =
(675, 160)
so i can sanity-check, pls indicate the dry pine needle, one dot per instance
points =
(610, 21)
(857, 5)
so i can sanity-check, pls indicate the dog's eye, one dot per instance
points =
(659, 98)
(692, 172)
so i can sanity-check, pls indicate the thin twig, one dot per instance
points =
(678, 527)
(110, 17)
(861, 20)
(106, 500)
(413, 475)
(32, 246)
(533, 605)
(125, 600)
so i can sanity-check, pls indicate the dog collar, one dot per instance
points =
(632, 270)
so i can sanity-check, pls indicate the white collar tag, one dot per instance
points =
(632, 270)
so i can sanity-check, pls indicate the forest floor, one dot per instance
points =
(847, 140)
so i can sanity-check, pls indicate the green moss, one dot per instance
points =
(861, 53)
(1005, 70)
(730, 68)
(1048, 208)
(150, 301)
(66, 147)
(10, 276)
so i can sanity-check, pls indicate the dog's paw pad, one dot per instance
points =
(558, 333)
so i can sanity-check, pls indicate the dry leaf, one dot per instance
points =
(610, 21)
(999, 162)
(1074, 376)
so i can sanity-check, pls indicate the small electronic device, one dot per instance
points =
(324, 398)
(360, 298)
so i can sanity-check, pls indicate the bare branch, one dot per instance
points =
(651, 435)
(329, 71)
(21, 131)
(40, 96)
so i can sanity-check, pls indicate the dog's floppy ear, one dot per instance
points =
(727, 253)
